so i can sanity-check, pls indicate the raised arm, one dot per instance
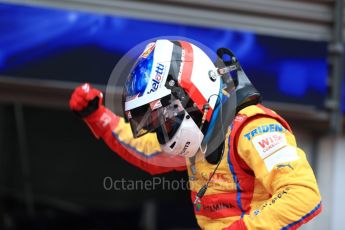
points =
(144, 152)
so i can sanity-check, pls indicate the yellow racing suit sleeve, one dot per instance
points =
(144, 152)
(282, 170)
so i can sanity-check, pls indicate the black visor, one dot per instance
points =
(154, 116)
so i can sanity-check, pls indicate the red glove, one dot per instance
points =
(86, 102)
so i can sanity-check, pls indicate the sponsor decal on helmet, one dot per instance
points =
(183, 53)
(185, 148)
(212, 75)
(148, 50)
(130, 98)
(155, 104)
(156, 80)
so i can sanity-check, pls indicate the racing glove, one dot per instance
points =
(86, 102)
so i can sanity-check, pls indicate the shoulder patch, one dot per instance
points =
(274, 149)
(269, 128)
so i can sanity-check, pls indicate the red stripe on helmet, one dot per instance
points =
(185, 80)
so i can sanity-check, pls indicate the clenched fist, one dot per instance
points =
(85, 100)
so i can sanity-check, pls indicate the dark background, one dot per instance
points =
(66, 179)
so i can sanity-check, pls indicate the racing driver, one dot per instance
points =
(182, 111)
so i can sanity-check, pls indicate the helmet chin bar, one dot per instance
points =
(186, 141)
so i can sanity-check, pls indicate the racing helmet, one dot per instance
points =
(172, 90)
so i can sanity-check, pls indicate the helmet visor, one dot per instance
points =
(150, 117)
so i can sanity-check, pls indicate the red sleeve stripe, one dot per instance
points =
(149, 164)
(304, 219)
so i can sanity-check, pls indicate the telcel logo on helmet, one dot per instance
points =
(156, 80)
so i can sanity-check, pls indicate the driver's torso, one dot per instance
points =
(262, 177)
(226, 199)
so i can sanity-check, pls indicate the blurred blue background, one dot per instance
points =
(76, 46)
